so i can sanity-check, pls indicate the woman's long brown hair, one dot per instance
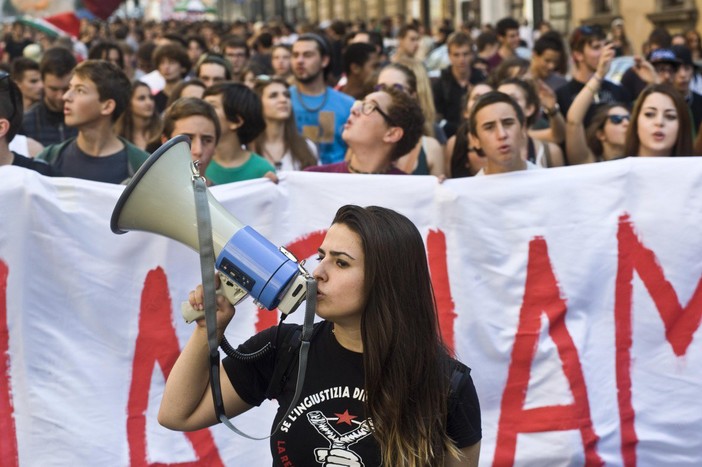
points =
(683, 145)
(405, 364)
(295, 142)
(124, 126)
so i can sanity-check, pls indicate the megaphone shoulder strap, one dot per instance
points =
(207, 268)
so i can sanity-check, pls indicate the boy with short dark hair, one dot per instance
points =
(498, 131)
(197, 120)
(172, 62)
(25, 73)
(507, 30)
(547, 57)
(240, 114)
(407, 43)
(454, 81)
(587, 44)
(98, 94)
(44, 122)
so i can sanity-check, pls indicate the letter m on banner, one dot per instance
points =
(680, 322)
(542, 295)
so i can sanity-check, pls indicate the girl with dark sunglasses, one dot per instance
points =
(604, 136)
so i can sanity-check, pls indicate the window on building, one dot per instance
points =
(558, 14)
(604, 7)
(470, 11)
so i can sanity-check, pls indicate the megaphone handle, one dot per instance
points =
(227, 288)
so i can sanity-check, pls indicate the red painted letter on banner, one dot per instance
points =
(542, 295)
(157, 343)
(680, 322)
(436, 251)
(302, 248)
(8, 441)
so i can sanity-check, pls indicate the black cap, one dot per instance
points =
(664, 56)
(683, 54)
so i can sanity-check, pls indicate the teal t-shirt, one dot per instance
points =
(255, 167)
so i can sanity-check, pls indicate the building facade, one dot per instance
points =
(640, 16)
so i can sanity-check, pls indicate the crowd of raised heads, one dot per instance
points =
(260, 98)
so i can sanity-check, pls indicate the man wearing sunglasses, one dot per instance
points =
(11, 110)
(587, 44)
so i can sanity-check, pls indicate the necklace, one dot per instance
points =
(277, 161)
(354, 170)
(312, 109)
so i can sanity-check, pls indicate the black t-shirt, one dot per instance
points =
(160, 101)
(73, 162)
(330, 413)
(694, 102)
(16, 49)
(448, 94)
(608, 93)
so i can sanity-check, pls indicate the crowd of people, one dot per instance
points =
(290, 99)
(347, 98)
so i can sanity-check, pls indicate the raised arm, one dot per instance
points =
(556, 132)
(577, 150)
(187, 403)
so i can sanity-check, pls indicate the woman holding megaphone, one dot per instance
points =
(381, 387)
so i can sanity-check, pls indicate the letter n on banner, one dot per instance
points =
(157, 343)
(9, 456)
(680, 322)
(541, 294)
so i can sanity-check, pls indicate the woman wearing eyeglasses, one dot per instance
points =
(280, 143)
(386, 125)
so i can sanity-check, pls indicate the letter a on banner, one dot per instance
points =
(157, 343)
(542, 295)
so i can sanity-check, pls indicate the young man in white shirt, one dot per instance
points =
(498, 132)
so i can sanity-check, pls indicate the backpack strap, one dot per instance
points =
(458, 372)
(53, 152)
(287, 360)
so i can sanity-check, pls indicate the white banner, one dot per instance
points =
(574, 295)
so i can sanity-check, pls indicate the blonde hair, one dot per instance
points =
(425, 97)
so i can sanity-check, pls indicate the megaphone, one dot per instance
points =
(160, 199)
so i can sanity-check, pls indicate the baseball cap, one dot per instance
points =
(682, 53)
(664, 56)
